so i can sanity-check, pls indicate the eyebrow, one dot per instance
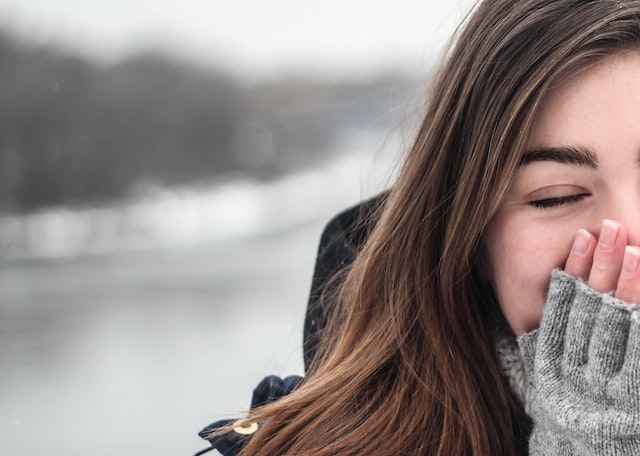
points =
(566, 155)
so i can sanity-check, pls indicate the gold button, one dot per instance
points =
(246, 429)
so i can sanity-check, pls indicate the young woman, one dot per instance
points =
(521, 193)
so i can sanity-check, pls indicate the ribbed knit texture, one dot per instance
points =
(583, 373)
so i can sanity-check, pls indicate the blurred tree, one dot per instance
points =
(74, 132)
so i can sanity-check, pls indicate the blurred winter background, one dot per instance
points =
(165, 172)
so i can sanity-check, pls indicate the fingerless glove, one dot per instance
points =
(583, 373)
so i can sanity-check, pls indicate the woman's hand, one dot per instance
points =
(608, 264)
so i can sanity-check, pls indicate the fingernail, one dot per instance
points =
(608, 234)
(581, 243)
(630, 260)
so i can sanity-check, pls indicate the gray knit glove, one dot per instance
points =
(583, 373)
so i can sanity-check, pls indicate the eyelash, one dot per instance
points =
(549, 203)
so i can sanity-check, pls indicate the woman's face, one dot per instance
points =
(582, 166)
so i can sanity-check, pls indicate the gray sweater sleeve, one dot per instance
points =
(583, 373)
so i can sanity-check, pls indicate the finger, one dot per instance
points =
(628, 288)
(581, 256)
(607, 258)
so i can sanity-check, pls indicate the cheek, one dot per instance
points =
(520, 265)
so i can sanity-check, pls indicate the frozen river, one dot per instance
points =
(134, 352)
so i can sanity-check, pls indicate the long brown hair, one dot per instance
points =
(406, 364)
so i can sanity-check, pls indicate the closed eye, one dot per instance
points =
(547, 203)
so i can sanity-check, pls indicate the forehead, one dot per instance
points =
(602, 97)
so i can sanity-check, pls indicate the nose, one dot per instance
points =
(626, 211)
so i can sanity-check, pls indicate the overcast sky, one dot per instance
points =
(254, 38)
